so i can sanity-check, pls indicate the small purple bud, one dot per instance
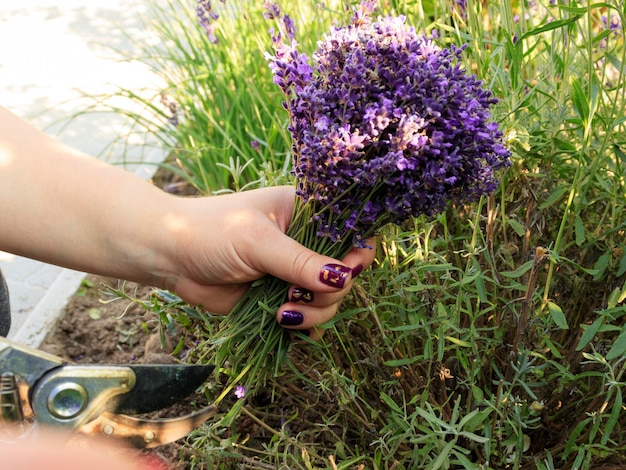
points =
(240, 391)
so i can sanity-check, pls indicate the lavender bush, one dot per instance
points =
(385, 126)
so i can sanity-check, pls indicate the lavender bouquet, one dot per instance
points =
(385, 126)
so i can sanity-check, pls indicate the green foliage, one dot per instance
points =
(489, 337)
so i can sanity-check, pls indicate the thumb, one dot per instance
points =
(290, 261)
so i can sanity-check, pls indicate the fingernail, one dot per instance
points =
(357, 270)
(335, 275)
(300, 294)
(291, 318)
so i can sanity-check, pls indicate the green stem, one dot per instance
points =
(564, 220)
(250, 338)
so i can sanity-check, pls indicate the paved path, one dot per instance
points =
(52, 54)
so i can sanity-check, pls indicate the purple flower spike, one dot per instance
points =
(385, 126)
(206, 18)
(272, 10)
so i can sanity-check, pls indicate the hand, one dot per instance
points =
(78, 212)
(55, 451)
(223, 243)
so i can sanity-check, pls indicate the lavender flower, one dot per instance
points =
(385, 126)
(363, 12)
(460, 6)
(206, 18)
(272, 10)
(240, 391)
(612, 22)
(168, 102)
(286, 23)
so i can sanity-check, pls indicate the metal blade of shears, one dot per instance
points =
(159, 386)
(146, 434)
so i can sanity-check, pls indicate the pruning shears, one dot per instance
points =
(40, 389)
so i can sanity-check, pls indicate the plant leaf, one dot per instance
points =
(558, 316)
(442, 458)
(622, 266)
(550, 26)
(600, 265)
(391, 403)
(458, 342)
(612, 421)
(554, 197)
(579, 229)
(517, 227)
(401, 362)
(580, 101)
(619, 346)
(520, 271)
(590, 332)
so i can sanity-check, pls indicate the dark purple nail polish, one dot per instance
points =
(301, 295)
(335, 275)
(357, 270)
(291, 318)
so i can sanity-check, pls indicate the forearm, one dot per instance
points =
(65, 208)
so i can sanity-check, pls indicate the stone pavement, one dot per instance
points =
(53, 54)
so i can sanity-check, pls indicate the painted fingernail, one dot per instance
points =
(335, 275)
(357, 270)
(302, 295)
(291, 318)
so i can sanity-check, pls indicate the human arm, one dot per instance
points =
(65, 208)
